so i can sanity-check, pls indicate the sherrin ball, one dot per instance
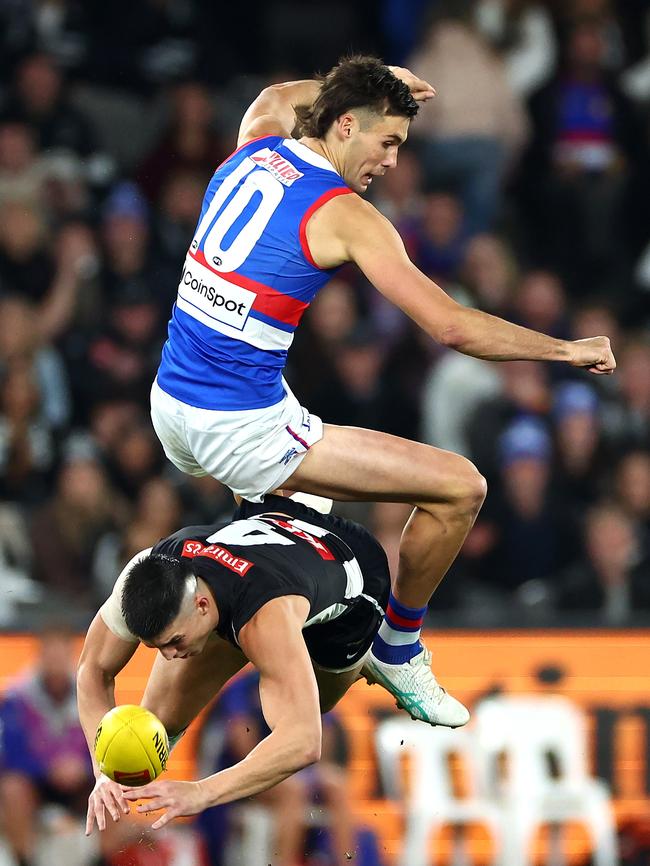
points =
(131, 745)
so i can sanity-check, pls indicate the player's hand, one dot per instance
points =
(420, 90)
(178, 798)
(106, 796)
(594, 353)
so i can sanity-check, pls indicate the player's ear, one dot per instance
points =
(346, 125)
(202, 603)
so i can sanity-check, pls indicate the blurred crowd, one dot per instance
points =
(524, 189)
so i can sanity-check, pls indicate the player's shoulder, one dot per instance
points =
(335, 229)
(346, 211)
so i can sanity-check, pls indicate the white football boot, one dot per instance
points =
(416, 690)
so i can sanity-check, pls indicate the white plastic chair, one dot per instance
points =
(431, 801)
(534, 735)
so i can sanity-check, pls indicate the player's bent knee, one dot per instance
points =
(477, 490)
(466, 488)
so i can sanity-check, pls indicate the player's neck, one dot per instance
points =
(322, 148)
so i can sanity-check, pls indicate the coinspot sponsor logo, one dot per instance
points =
(217, 298)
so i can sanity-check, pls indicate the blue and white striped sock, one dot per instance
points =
(398, 638)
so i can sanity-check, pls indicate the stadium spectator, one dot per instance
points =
(612, 578)
(400, 197)
(120, 358)
(49, 279)
(39, 99)
(66, 529)
(535, 537)
(332, 316)
(174, 223)
(190, 143)
(489, 271)
(628, 421)
(582, 156)
(43, 753)
(19, 342)
(157, 513)
(522, 32)
(524, 391)
(159, 45)
(476, 125)
(632, 485)
(455, 388)
(22, 170)
(436, 238)
(135, 458)
(540, 303)
(581, 453)
(27, 443)
(126, 240)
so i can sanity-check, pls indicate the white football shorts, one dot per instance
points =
(251, 451)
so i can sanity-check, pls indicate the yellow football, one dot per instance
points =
(131, 745)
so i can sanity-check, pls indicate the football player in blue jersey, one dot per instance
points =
(280, 215)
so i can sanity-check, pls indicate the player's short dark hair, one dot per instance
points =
(359, 81)
(153, 593)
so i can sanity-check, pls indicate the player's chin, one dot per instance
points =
(363, 183)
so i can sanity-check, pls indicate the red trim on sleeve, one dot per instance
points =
(323, 199)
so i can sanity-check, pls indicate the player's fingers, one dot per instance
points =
(121, 806)
(424, 87)
(100, 815)
(90, 820)
(164, 819)
(138, 793)
(112, 809)
(108, 801)
(153, 805)
(116, 796)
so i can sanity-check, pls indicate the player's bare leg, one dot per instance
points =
(447, 492)
(332, 686)
(178, 689)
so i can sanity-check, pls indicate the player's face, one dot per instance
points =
(372, 150)
(187, 634)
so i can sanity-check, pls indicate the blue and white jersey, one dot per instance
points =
(248, 277)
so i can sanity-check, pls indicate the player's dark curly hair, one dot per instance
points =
(360, 81)
(153, 593)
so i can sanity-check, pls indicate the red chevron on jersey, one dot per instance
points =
(272, 303)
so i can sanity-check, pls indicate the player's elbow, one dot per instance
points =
(307, 748)
(271, 96)
(90, 674)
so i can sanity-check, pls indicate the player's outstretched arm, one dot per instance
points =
(274, 110)
(103, 656)
(359, 233)
(273, 641)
